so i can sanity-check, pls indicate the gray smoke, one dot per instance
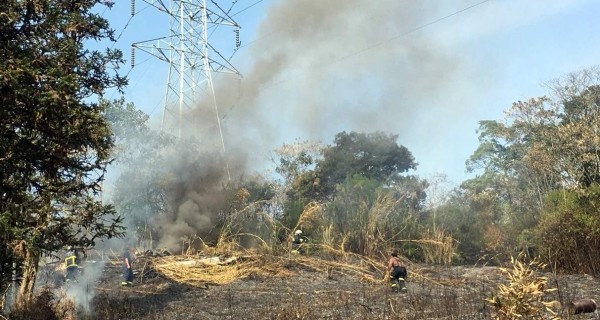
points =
(83, 291)
(318, 68)
(196, 197)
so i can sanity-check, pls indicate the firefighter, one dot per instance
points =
(72, 262)
(397, 272)
(298, 242)
(127, 270)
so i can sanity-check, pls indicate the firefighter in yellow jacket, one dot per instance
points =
(298, 242)
(72, 262)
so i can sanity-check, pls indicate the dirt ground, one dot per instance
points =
(434, 292)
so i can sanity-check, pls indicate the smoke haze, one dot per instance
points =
(321, 67)
(329, 66)
(340, 65)
(195, 196)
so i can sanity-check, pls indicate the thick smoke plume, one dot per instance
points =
(318, 68)
(196, 197)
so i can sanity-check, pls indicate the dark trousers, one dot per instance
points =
(397, 273)
(127, 274)
(298, 247)
(72, 272)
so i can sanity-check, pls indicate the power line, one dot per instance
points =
(128, 72)
(381, 43)
(415, 29)
(412, 30)
(127, 24)
(441, 19)
(119, 37)
(248, 7)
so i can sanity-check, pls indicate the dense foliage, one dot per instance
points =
(55, 143)
(539, 174)
(367, 202)
(534, 193)
(374, 156)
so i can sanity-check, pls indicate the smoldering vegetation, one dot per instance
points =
(180, 193)
(434, 292)
(319, 68)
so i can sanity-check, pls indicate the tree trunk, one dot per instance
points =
(3, 298)
(30, 268)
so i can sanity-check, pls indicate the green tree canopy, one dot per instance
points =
(545, 146)
(374, 156)
(55, 143)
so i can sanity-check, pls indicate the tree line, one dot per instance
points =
(55, 142)
(535, 193)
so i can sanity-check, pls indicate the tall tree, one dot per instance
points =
(54, 141)
(295, 162)
(141, 162)
(508, 196)
(545, 147)
(371, 155)
(577, 147)
(360, 178)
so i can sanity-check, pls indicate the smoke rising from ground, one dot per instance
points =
(199, 200)
(83, 291)
(320, 67)
(196, 197)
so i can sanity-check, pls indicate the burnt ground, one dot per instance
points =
(434, 292)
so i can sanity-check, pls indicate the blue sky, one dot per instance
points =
(316, 67)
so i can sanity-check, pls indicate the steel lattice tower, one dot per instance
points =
(191, 57)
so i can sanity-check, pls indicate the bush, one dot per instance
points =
(525, 294)
(44, 306)
(569, 231)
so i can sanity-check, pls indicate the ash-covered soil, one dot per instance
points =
(434, 292)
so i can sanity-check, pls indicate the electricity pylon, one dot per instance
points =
(191, 57)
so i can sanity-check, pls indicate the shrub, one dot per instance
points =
(525, 294)
(45, 306)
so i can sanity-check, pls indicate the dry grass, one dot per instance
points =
(524, 296)
(330, 284)
(47, 305)
(438, 247)
(197, 271)
(231, 266)
(311, 215)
